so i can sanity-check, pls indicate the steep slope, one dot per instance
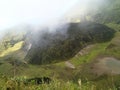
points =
(54, 47)
(10, 38)
(100, 11)
(11, 45)
(69, 46)
(109, 13)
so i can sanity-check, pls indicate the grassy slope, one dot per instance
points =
(16, 47)
(60, 70)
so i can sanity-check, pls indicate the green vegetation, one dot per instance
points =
(65, 77)
(114, 26)
(13, 84)
(14, 48)
(68, 77)
(57, 56)
(56, 47)
(10, 39)
(92, 54)
(109, 13)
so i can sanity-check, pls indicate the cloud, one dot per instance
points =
(14, 12)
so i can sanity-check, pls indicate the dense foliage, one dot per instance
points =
(109, 13)
(52, 47)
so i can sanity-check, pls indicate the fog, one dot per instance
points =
(84, 7)
(14, 12)
(44, 20)
(39, 13)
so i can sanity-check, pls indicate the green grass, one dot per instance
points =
(54, 85)
(114, 26)
(16, 47)
(65, 74)
(115, 50)
(59, 70)
(96, 50)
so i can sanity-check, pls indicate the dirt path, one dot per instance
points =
(70, 65)
(85, 50)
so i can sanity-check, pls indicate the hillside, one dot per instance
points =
(109, 14)
(54, 47)
(82, 55)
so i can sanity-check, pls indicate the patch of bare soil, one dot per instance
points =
(70, 65)
(106, 65)
(85, 50)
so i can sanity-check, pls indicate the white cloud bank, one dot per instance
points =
(15, 12)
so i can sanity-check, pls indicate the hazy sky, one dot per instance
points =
(86, 6)
(15, 12)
